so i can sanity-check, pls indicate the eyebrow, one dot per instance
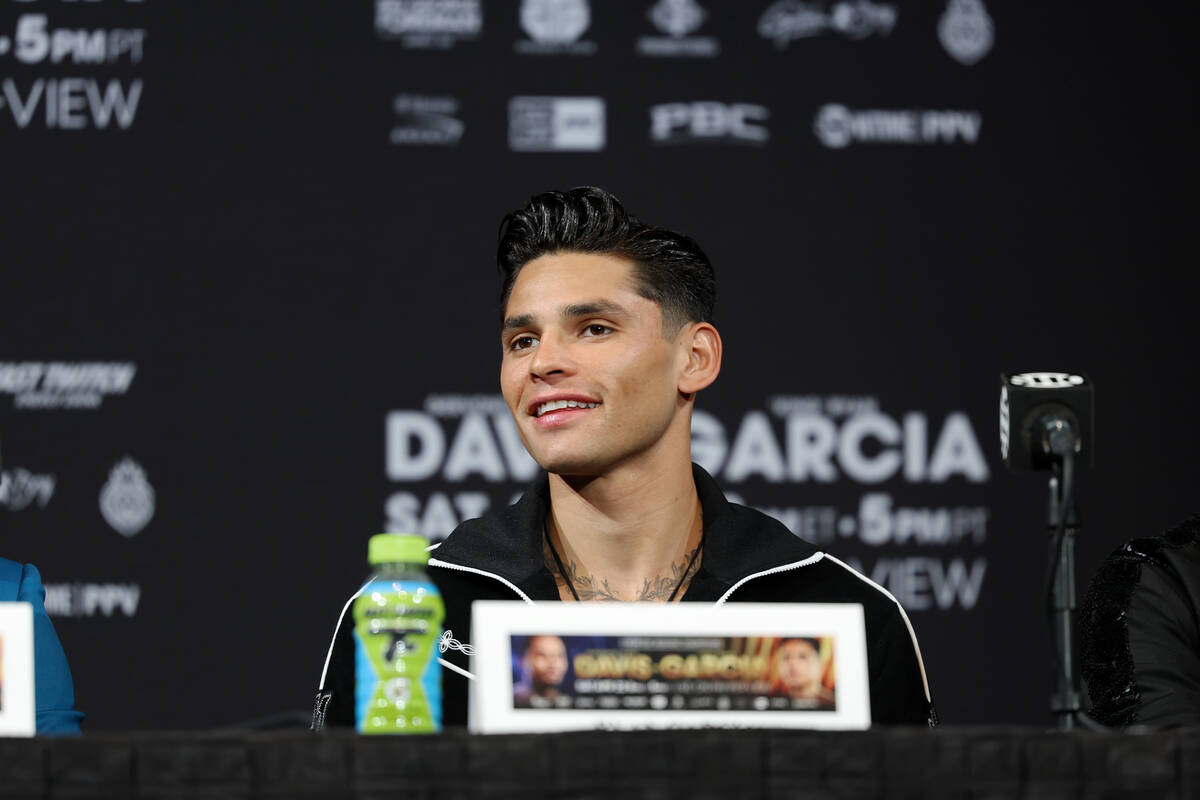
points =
(573, 311)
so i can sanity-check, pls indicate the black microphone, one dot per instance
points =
(1046, 423)
(1043, 417)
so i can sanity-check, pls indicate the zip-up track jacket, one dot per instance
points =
(747, 557)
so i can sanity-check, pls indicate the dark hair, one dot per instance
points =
(670, 268)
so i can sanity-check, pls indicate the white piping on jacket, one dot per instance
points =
(336, 628)
(781, 568)
(435, 562)
(903, 615)
(813, 559)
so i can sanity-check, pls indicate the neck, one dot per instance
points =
(627, 535)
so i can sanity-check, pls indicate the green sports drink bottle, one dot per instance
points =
(397, 623)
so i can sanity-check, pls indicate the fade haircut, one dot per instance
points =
(669, 268)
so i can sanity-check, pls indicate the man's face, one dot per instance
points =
(800, 668)
(546, 660)
(586, 372)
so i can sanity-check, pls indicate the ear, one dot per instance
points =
(700, 346)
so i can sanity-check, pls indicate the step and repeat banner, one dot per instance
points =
(248, 310)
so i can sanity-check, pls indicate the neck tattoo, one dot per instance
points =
(652, 590)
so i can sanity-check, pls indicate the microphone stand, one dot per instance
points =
(1065, 703)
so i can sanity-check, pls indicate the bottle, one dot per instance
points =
(397, 623)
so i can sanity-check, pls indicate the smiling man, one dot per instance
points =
(606, 338)
(601, 380)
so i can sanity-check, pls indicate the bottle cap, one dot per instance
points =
(390, 548)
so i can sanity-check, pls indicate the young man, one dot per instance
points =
(606, 337)
(544, 665)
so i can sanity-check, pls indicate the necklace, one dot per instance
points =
(571, 584)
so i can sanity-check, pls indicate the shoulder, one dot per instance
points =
(1139, 630)
(505, 541)
(18, 580)
(814, 576)
(845, 579)
(1170, 562)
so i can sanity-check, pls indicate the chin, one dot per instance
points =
(571, 464)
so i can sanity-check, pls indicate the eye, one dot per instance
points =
(522, 342)
(596, 329)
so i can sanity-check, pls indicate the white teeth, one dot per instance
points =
(555, 405)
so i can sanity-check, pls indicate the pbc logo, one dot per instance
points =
(709, 121)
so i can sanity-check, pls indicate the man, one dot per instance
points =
(798, 671)
(543, 667)
(606, 337)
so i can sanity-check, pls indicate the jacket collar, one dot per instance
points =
(738, 541)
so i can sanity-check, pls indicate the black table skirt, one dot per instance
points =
(881, 763)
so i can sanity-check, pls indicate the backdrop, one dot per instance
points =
(248, 309)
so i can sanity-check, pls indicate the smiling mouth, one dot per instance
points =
(558, 405)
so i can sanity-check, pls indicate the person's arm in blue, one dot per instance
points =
(55, 692)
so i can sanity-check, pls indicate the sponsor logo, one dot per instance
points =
(20, 488)
(556, 123)
(709, 121)
(1047, 380)
(966, 31)
(837, 126)
(127, 499)
(789, 20)
(678, 19)
(554, 27)
(92, 599)
(423, 119)
(61, 384)
(429, 24)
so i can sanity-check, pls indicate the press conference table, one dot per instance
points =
(882, 763)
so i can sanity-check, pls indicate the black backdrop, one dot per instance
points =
(282, 221)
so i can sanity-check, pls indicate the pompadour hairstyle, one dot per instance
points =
(669, 267)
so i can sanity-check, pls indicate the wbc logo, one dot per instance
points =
(127, 500)
(965, 30)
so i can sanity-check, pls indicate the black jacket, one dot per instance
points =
(1140, 632)
(747, 557)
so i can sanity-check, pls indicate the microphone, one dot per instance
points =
(1044, 418)
(1046, 424)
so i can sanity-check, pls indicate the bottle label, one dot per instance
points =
(398, 687)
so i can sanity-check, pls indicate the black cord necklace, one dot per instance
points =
(571, 584)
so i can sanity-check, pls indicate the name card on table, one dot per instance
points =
(572, 666)
(16, 670)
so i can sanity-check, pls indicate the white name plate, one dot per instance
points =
(572, 666)
(16, 670)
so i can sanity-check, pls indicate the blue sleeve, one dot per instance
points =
(55, 700)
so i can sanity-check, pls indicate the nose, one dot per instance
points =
(551, 359)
